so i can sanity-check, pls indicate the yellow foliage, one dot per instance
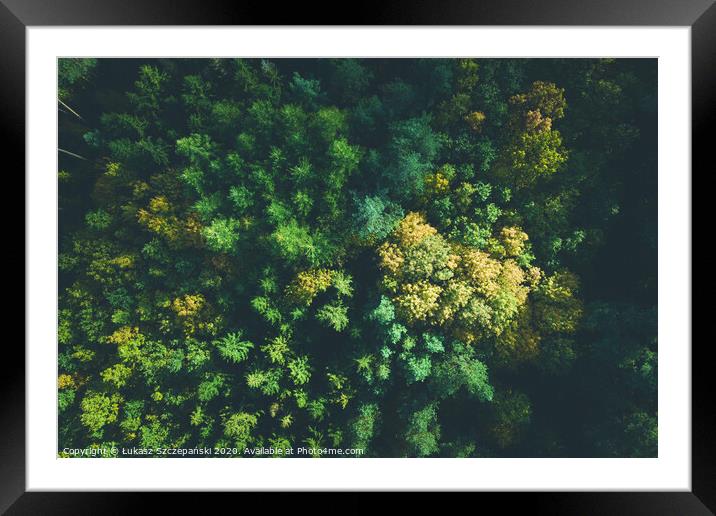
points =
(534, 121)
(274, 408)
(482, 271)
(159, 204)
(391, 257)
(512, 279)
(192, 231)
(129, 342)
(188, 305)
(117, 375)
(561, 285)
(455, 296)
(65, 381)
(125, 261)
(413, 229)
(168, 227)
(192, 310)
(520, 341)
(534, 276)
(467, 74)
(513, 240)
(82, 354)
(463, 194)
(178, 232)
(543, 98)
(557, 309)
(436, 183)
(418, 301)
(475, 120)
(124, 335)
(112, 169)
(475, 295)
(343, 400)
(308, 284)
(470, 292)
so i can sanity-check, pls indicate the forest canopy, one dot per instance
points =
(406, 257)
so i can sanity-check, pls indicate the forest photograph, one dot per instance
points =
(357, 258)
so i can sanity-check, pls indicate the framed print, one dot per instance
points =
(443, 250)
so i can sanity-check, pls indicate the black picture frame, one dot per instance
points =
(700, 15)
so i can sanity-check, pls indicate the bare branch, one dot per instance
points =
(70, 109)
(72, 154)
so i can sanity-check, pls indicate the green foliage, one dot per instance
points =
(418, 367)
(209, 388)
(277, 349)
(300, 370)
(65, 399)
(535, 155)
(334, 315)
(98, 410)
(232, 348)
(363, 427)
(222, 235)
(433, 343)
(117, 375)
(375, 217)
(384, 313)
(239, 426)
(460, 369)
(296, 244)
(511, 414)
(423, 432)
(98, 219)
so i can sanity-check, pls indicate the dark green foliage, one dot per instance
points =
(73, 74)
(415, 258)
(410, 155)
(461, 369)
(375, 217)
(423, 432)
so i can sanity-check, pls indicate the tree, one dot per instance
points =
(232, 348)
(469, 292)
(511, 413)
(300, 370)
(459, 369)
(423, 432)
(411, 152)
(99, 410)
(536, 150)
(334, 315)
(363, 427)
(375, 217)
(239, 426)
(222, 234)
